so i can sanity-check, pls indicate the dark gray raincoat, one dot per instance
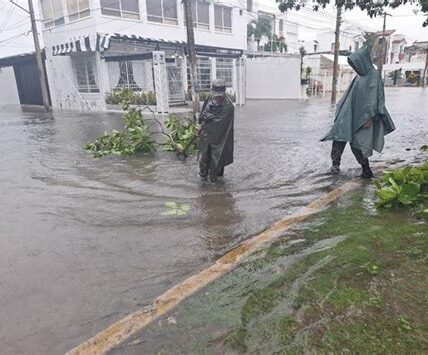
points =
(216, 141)
(364, 100)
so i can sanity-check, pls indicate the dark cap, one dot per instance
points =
(218, 87)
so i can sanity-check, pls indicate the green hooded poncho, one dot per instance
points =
(364, 100)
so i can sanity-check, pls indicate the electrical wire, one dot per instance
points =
(26, 33)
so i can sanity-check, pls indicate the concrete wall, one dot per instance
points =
(108, 24)
(347, 41)
(273, 77)
(8, 89)
(64, 93)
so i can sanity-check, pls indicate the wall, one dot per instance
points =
(8, 89)
(347, 40)
(108, 24)
(273, 77)
(64, 93)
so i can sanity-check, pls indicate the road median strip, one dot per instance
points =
(126, 327)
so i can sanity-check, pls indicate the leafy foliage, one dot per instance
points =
(175, 209)
(262, 27)
(136, 137)
(276, 44)
(405, 186)
(373, 8)
(412, 78)
(182, 135)
(134, 98)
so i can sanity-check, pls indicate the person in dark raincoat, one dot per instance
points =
(216, 138)
(361, 116)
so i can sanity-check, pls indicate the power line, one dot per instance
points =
(26, 33)
(16, 25)
(7, 18)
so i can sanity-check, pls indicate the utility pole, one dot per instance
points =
(192, 55)
(336, 54)
(39, 60)
(384, 46)
(38, 54)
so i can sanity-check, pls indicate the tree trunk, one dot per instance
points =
(336, 55)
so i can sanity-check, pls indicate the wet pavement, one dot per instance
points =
(83, 241)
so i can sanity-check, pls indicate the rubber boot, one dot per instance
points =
(220, 172)
(367, 172)
(335, 170)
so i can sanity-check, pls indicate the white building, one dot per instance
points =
(396, 49)
(350, 40)
(94, 47)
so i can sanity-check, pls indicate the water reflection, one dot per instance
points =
(220, 220)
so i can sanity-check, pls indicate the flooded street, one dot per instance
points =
(83, 241)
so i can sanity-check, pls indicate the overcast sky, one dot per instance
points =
(14, 29)
(15, 25)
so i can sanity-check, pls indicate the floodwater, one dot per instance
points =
(83, 241)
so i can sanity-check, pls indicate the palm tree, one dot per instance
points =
(259, 28)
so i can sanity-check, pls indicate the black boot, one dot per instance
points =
(367, 172)
(335, 170)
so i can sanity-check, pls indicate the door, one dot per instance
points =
(27, 81)
(175, 81)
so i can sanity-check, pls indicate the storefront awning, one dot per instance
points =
(102, 43)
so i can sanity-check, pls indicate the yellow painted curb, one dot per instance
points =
(124, 328)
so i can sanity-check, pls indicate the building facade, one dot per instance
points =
(95, 47)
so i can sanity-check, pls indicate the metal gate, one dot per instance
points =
(175, 81)
(28, 83)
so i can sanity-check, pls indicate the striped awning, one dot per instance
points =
(95, 43)
(101, 42)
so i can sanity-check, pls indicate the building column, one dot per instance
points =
(103, 79)
(161, 81)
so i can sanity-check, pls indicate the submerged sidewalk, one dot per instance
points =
(350, 279)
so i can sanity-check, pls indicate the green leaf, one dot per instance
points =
(411, 189)
(171, 204)
(171, 212)
(185, 207)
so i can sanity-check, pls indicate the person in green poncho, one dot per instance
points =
(361, 116)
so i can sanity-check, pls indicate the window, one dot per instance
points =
(203, 72)
(121, 8)
(281, 26)
(78, 9)
(85, 73)
(134, 75)
(203, 68)
(162, 11)
(53, 14)
(126, 77)
(223, 18)
(201, 14)
(224, 70)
